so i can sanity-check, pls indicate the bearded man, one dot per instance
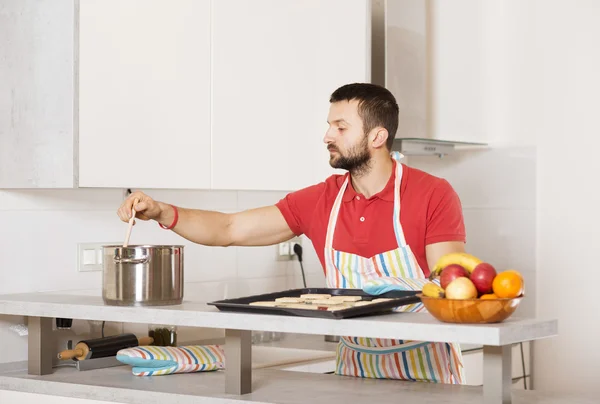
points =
(379, 220)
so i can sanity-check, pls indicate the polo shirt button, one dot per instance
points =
(362, 219)
(358, 198)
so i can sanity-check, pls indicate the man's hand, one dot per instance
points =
(146, 208)
(435, 251)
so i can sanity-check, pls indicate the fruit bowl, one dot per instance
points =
(470, 311)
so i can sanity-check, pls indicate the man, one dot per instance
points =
(380, 220)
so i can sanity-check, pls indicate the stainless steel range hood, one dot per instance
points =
(403, 51)
(432, 147)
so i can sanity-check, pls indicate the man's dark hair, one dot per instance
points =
(376, 106)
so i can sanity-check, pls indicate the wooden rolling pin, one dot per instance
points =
(103, 347)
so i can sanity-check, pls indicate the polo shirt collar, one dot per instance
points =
(386, 194)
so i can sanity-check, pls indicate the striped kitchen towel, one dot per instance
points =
(164, 360)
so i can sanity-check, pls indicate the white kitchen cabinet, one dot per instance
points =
(275, 65)
(37, 138)
(144, 93)
(192, 94)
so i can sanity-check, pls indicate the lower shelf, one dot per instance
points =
(118, 385)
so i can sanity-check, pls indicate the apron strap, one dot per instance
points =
(333, 215)
(401, 240)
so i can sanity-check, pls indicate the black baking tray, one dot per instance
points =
(241, 304)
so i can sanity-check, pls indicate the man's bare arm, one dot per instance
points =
(253, 227)
(435, 251)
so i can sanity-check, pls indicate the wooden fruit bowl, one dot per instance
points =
(470, 311)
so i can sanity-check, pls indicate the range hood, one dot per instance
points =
(422, 53)
(432, 147)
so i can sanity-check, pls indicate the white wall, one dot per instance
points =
(565, 55)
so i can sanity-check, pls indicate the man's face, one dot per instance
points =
(347, 143)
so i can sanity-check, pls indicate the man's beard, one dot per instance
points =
(357, 160)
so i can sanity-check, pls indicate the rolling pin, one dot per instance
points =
(103, 347)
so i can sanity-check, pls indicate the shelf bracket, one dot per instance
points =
(39, 346)
(238, 361)
(497, 376)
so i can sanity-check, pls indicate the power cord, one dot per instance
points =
(523, 364)
(298, 252)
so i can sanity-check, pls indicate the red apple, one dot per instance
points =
(450, 273)
(482, 277)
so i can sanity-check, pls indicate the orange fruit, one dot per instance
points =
(488, 296)
(508, 284)
(514, 271)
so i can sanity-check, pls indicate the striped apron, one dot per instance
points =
(387, 358)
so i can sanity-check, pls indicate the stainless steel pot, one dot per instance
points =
(142, 275)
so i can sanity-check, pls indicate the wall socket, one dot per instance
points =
(90, 255)
(285, 250)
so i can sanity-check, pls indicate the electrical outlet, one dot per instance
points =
(285, 250)
(90, 255)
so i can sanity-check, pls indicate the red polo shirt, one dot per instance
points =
(430, 212)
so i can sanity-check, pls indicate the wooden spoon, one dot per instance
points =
(133, 213)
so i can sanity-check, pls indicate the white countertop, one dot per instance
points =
(196, 313)
(270, 386)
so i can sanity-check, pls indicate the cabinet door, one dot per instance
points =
(144, 93)
(36, 94)
(275, 64)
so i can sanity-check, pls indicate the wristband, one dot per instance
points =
(175, 219)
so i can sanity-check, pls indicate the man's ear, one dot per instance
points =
(380, 136)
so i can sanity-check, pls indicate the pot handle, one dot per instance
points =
(141, 260)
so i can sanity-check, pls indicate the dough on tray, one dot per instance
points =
(300, 306)
(326, 302)
(319, 301)
(267, 303)
(342, 306)
(289, 300)
(347, 298)
(311, 296)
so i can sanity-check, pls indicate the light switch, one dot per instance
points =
(89, 257)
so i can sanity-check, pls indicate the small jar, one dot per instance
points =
(163, 335)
